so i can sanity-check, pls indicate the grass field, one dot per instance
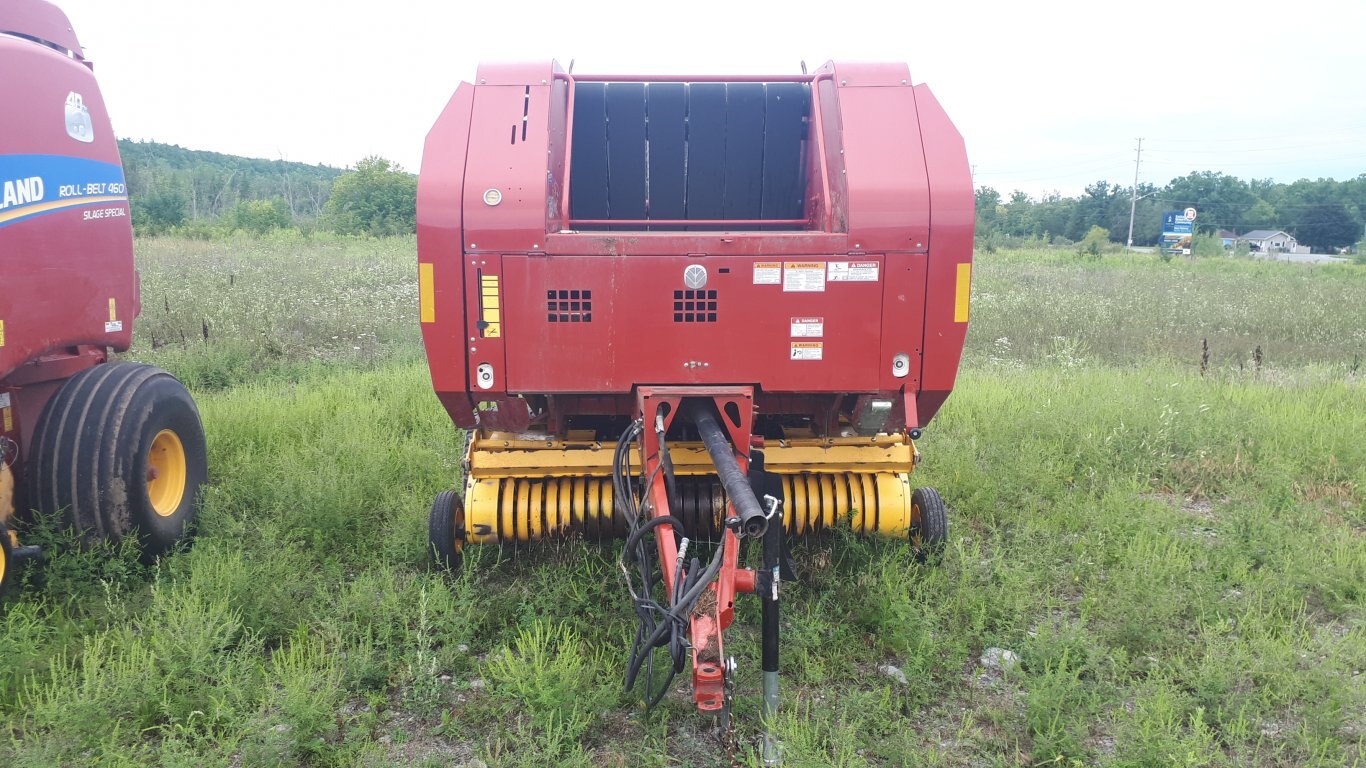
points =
(1176, 558)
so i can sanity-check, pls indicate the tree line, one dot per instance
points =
(173, 189)
(205, 193)
(1325, 214)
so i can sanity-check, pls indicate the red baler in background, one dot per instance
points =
(116, 448)
(691, 310)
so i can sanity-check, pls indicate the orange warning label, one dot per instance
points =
(807, 350)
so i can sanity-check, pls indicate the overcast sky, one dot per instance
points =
(1049, 96)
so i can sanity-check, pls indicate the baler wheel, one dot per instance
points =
(446, 530)
(120, 448)
(929, 524)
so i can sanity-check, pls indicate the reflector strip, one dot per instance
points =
(488, 306)
(960, 305)
(426, 293)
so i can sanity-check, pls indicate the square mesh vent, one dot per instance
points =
(694, 306)
(573, 306)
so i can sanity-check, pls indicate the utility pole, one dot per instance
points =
(1133, 195)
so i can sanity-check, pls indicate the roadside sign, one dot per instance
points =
(1177, 232)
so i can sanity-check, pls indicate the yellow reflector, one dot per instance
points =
(960, 304)
(426, 293)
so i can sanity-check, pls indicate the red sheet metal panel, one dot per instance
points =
(441, 282)
(889, 205)
(66, 246)
(40, 19)
(505, 169)
(619, 322)
(903, 321)
(952, 218)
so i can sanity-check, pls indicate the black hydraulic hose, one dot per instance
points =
(677, 615)
(752, 520)
(666, 464)
(650, 525)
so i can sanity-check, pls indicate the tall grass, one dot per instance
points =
(1176, 558)
(1136, 309)
(226, 312)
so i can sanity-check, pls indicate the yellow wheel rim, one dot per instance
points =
(166, 473)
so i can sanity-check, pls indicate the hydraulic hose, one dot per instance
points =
(753, 523)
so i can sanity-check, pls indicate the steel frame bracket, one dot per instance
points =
(715, 610)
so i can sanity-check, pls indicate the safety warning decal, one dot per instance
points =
(803, 276)
(807, 350)
(853, 272)
(808, 327)
(4, 400)
(113, 326)
(768, 272)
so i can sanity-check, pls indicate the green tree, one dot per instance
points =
(1096, 240)
(378, 198)
(158, 210)
(1219, 198)
(1327, 227)
(988, 214)
(987, 199)
(210, 184)
(1019, 215)
(1262, 215)
(1204, 246)
(261, 216)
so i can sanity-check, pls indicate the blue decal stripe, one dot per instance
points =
(35, 185)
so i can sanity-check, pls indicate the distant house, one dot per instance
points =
(1269, 241)
(1228, 237)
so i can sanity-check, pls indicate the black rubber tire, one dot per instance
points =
(446, 531)
(7, 574)
(929, 524)
(89, 456)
